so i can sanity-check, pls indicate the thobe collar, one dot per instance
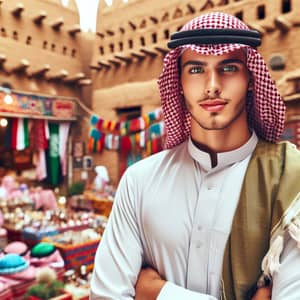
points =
(223, 158)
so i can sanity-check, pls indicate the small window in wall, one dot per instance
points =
(130, 44)
(101, 50)
(52, 47)
(64, 50)
(111, 48)
(286, 6)
(154, 38)
(45, 43)
(3, 32)
(261, 12)
(167, 34)
(15, 35)
(121, 46)
(143, 41)
(73, 53)
(28, 40)
(239, 15)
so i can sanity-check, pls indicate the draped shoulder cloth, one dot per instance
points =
(269, 207)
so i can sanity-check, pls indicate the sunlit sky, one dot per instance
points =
(88, 12)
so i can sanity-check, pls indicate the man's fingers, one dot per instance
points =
(263, 293)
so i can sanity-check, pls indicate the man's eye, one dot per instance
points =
(229, 68)
(196, 70)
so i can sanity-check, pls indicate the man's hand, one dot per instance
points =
(148, 285)
(263, 293)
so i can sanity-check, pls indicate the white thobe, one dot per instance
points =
(173, 212)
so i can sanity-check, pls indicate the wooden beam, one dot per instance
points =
(84, 82)
(162, 50)
(115, 62)
(137, 54)
(59, 75)
(294, 76)
(258, 27)
(21, 66)
(38, 19)
(282, 23)
(97, 68)
(2, 58)
(40, 71)
(74, 78)
(74, 29)
(148, 51)
(103, 64)
(122, 57)
(57, 23)
(17, 11)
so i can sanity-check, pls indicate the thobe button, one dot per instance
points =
(199, 227)
(199, 245)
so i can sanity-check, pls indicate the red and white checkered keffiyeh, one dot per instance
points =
(266, 110)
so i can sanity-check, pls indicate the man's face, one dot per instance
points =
(215, 88)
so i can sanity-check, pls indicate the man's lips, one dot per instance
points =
(214, 105)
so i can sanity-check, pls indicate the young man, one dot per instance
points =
(219, 206)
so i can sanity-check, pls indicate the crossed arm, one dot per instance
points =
(150, 283)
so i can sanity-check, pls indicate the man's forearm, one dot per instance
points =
(148, 285)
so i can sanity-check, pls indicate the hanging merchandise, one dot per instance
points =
(53, 154)
(133, 135)
(63, 138)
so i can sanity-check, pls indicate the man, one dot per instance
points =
(221, 201)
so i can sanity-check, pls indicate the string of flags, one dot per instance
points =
(144, 133)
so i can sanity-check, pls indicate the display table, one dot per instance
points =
(91, 201)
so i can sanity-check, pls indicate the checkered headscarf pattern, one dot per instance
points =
(265, 107)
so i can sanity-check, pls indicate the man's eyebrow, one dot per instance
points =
(232, 60)
(194, 62)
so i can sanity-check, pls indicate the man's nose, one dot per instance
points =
(213, 87)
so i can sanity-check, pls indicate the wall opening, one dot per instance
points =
(28, 40)
(239, 15)
(286, 6)
(166, 34)
(154, 37)
(111, 48)
(261, 12)
(130, 44)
